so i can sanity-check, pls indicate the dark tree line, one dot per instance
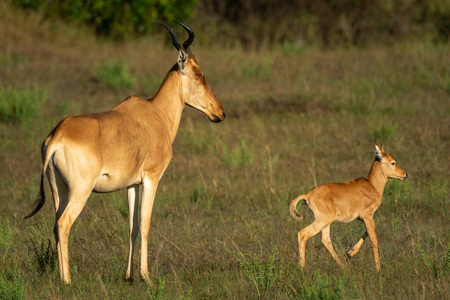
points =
(262, 23)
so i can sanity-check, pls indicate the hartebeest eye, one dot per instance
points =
(393, 163)
(198, 74)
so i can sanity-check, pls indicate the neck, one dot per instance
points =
(377, 178)
(169, 103)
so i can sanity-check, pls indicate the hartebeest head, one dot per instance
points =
(195, 90)
(389, 165)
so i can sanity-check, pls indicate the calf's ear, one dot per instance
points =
(378, 152)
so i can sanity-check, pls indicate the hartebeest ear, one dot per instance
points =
(379, 152)
(182, 60)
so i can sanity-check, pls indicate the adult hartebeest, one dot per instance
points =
(346, 201)
(128, 146)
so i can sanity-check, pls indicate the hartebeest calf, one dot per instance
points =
(356, 198)
(128, 146)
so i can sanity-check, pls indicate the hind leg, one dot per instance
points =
(60, 193)
(306, 233)
(326, 241)
(76, 202)
(68, 206)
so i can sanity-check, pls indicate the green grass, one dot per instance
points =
(382, 130)
(12, 60)
(258, 70)
(149, 85)
(11, 285)
(21, 104)
(6, 232)
(115, 73)
(220, 227)
(240, 156)
(266, 274)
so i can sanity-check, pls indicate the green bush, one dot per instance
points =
(20, 105)
(113, 18)
(115, 74)
(256, 24)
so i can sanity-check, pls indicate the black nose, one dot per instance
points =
(216, 119)
(224, 114)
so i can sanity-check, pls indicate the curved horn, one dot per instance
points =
(189, 41)
(173, 35)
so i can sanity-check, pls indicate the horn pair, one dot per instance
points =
(175, 42)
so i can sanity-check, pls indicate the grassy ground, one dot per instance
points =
(220, 227)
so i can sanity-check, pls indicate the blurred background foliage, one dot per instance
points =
(258, 24)
(113, 18)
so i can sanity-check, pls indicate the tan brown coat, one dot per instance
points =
(128, 146)
(346, 201)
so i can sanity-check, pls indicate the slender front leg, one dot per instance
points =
(133, 206)
(358, 245)
(148, 197)
(370, 227)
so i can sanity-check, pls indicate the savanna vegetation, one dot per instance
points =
(297, 116)
(254, 24)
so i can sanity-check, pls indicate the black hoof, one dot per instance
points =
(129, 280)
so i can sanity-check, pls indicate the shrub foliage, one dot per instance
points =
(20, 104)
(114, 18)
(254, 24)
(335, 22)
